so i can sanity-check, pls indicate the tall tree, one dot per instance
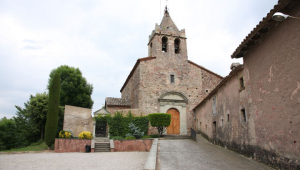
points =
(38, 107)
(8, 137)
(53, 110)
(75, 90)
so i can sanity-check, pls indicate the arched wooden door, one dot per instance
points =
(174, 127)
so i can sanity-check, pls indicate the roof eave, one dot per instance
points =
(261, 29)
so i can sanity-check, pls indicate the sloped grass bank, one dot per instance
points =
(39, 147)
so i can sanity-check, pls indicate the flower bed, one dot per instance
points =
(71, 145)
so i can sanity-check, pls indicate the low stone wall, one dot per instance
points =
(71, 145)
(142, 145)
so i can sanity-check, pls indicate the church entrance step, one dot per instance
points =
(101, 139)
(102, 147)
(175, 137)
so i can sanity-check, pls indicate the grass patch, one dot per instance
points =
(39, 147)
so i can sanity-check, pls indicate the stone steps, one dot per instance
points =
(102, 147)
(101, 139)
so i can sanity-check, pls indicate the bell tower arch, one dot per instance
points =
(167, 40)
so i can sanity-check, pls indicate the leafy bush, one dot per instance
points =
(85, 135)
(119, 124)
(130, 138)
(160, 120)
(154, 136)
(136, 132)
(146, 137)
(116, 138)
(64, 134)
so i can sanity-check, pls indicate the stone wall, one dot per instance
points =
(142, 145)
(71, 145)
(264, 121)
(134, 112)
(113, 109)
(273, 73)
(78, 119)
(131, 89)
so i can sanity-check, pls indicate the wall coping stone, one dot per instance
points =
(150, 163)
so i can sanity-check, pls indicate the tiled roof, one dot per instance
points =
(262, 28)
(110, 101)
(203, 68)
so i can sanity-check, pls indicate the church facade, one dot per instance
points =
(166, 81)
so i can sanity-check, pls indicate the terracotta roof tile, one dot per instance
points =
(110, 101)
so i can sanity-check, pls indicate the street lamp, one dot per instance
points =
(278, 16)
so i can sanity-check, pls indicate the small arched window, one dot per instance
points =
(177, 45)
(164, 44)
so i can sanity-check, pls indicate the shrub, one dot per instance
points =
(146, 137)
(119, 124)
(160, 120)
(130, 138)
(64, 134)
(53, 109)
(154, 136)
(136, 132)
(85, 135)
(116, 138)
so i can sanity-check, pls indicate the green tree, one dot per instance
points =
(160, 120)
(75, 90)
(37, 111)
(53, 111)
(8, 135)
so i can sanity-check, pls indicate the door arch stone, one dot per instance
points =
(175, 100)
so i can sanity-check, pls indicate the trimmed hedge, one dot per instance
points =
(160, 121)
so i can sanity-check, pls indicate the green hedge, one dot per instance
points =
(119, 124)
(159, 119)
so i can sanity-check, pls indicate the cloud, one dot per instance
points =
(105, 38)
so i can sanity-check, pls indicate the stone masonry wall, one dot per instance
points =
(142, 145)
(155, 81)
(77, 120)
(274, 78)
(131, 90)
(230, 129)
(113, 109)
(271, 99)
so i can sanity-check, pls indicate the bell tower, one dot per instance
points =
(166, 40)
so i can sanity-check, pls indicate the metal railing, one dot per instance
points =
(193, 134)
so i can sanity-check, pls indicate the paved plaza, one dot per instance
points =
(57, 161)
(201, 155)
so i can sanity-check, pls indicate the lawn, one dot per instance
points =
(39, 147)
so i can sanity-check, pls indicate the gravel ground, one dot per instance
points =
(101, 160)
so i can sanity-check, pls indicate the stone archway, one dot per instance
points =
(177, 101)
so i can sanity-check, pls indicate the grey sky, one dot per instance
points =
(105, 38)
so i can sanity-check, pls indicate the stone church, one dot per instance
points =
(166, 81)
